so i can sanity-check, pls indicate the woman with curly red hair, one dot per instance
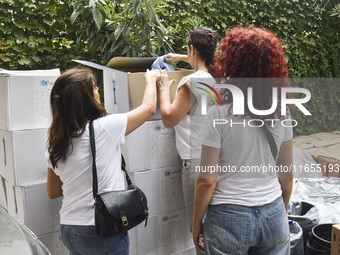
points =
(238, 188)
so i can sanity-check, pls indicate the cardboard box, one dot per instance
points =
(324, 139)
(335, 248)
(25, 98)
(165, 233)
(22, 156)
(31, 206)
(3, 195)
(54, 243)
(133, 241)
(162, 187)
(151, 146)
(124, 90)
(330, 166)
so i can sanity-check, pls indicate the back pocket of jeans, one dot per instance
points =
(229, 232)
(279, 226)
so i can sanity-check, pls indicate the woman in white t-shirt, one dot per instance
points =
(74, 102)
(184, 112)
(240, 188)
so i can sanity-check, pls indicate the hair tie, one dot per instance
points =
(56, 96)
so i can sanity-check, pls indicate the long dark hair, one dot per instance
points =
(73, 105)
(204, 40)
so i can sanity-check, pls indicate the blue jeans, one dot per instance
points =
(82, 240)
(258, 230)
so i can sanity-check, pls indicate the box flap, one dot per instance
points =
(91, 64)
(49, 72)
(126, 64)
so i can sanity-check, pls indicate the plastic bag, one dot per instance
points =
(296, 238)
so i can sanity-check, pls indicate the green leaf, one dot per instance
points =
(118, 31)
(97, 17)
(24, 61)
(75, 14)
(136, 6)
(92, 3)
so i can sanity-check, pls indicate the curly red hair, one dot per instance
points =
(247, 52)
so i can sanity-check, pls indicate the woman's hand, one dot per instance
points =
(173, 57)
(152, 76)
(197, 234)
(164, 82)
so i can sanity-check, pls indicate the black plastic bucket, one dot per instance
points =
(320, 239)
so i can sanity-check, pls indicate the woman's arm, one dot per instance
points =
(205, 186)
(54, 184)
(173, 57)
(172, 113)
(143, 112)
(285, 158)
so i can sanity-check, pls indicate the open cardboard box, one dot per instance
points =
(124, 82)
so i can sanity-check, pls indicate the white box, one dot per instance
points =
(133, 241)
(31, 206)
(3, 195)
(124, 90)
(150, 146)
(54, 243)
(165, 233)
(22, 156)
(162, 188)
(25, 98)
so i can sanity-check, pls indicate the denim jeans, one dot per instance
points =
(188, 183)
(82, 240)
(258, 230)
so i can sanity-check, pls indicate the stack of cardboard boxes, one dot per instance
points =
(24, 121)
(153, 165)
(150, 154)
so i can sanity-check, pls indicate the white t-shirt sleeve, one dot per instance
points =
(115, 126)
(209, 135)
(47, 156)
(194, 95)
(288, 131)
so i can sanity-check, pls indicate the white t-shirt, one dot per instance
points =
(188, 129)
(243, 148)
(76, 171)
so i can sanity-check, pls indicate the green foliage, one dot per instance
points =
(309, 31)
(48, 34)
(35, 34)
(130, 28)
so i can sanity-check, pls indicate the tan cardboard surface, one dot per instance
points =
(330, 166)
(131, 64)
(335, 248)
(137, 86)
(324, 139)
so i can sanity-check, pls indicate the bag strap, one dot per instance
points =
(94, 167)
(271, 141)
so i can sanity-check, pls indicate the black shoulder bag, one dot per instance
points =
(116, 211)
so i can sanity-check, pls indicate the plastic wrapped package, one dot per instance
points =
(296, 239)
(323, 193)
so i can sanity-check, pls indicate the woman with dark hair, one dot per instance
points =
(183, 113)
(75, 102)
(245, 209)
